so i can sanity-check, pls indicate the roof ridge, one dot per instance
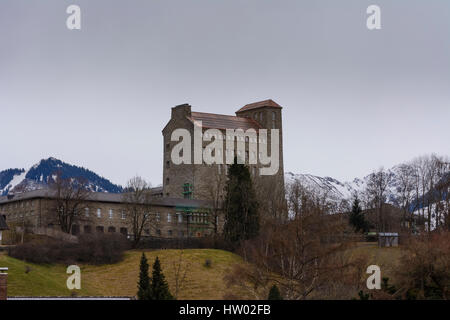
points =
(219, 114)
(260, 104)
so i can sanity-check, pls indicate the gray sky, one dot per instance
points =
(353, 99)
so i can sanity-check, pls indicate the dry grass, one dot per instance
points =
(387, 258)
(121, 279)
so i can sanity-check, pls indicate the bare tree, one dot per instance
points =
(71, 196)
(405, 188)
(271, 196)
(442, 193)
(376, 190)
(301, 255)
(181, 268)
(215, 194)
(137, 200)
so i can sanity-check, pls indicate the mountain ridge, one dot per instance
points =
(42, 173)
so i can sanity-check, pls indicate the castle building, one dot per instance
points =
(199, 181)
(187, 203)
(105, 213)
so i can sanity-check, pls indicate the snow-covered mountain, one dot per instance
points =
(336, 190)
(43, 172)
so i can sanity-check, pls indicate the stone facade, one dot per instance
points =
(198, 181)
(107, 213)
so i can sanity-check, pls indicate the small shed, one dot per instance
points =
(388, 239)
(3, 226)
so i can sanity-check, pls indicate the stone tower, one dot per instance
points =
(199, 181)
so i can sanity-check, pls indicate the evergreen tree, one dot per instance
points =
(357, 219)
(274, 294)
(159, 289)
(241, 207)
(144, 280)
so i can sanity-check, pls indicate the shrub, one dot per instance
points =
(208, 263)
(424, 271)
(274, 294)
(91, 249)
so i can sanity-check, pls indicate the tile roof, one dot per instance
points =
(108, 197)
(220, 121)
(260, 104)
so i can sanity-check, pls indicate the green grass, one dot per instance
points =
(121, 279)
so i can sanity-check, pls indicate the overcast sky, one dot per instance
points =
(99, 97)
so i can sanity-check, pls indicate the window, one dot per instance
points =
(99, 213)
(124, 215)
(167, 146)
(255, 116)
(124, 231)
(167, 180)
(219, 168)
(75, 229)
(180, 217)
(100, 229)
(169, 232)
(260, 116)
(87, 229)
(158, 217)
(167, 164)
(147, 231)
(273, 116)
(169, 217)
(111, 229)
(111, 213)
(187, 191)
(158, 232)
(86, 212)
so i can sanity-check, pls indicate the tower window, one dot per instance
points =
(187, 191)
(273, 119)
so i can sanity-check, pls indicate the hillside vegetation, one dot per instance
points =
(201, 282)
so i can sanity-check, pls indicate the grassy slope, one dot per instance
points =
(387, 259)
(121, 279)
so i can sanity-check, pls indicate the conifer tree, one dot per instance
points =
(159, 289)
(241, 207)
(144, 280)
(274, 294)
(357, 219)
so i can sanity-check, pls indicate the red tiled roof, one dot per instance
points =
(221, 121)
(260, 104)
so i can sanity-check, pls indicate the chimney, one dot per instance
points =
(3, 283)
(181, 112)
